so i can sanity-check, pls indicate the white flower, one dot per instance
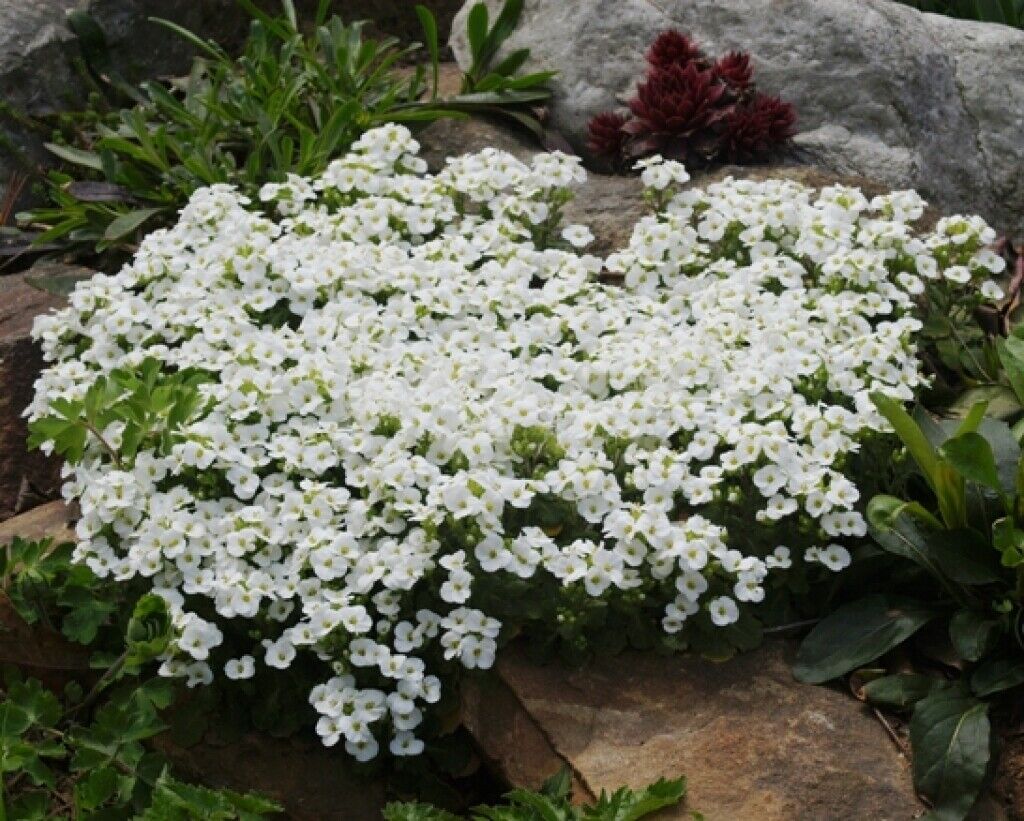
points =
(240, 668)
(578, 236)
(279, 654)
(723, 611)
(835, 557)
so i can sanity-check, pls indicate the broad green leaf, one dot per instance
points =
(949, 733)
(953, 557)
(1001, 402)
(856, 634)
(899, 691)
(996, 675)
(973, 634)
(971, 455)
(129, 223)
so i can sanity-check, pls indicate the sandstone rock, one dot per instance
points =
(754, 744)
(20, 363)
(310, 781)
(906, 98)
(53, 520)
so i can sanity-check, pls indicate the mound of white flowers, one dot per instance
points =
(421, 392)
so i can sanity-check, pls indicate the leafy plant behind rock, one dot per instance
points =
(694, 108)
(288, 104)
(1007, 12)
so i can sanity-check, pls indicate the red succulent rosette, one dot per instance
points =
(674, 105)
(606, 137)
(673, 48)
(752, 131)
(735, 70)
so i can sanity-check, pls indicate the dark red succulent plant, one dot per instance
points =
(735, 71)
(606, 137)
(694, 108)
(673, 48)
(751, 130)
(673, 106)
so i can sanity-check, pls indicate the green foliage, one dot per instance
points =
(962, 535)
(289, 104)
(1007, 12)
(150, 404)
(76, 758)
(84, 754)
(44, 586)
(552, 803)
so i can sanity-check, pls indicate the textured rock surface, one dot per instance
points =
(22, 474)
(906, 98)
(754, 744)
(310, 781)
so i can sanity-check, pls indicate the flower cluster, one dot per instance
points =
(691, 107)
(422, 396)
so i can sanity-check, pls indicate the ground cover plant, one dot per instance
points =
(1007, 12)
(290, 103)
(366, 435)
(78, 748)
(694, 108)
(552, 803)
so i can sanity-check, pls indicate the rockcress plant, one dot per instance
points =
(419, 396)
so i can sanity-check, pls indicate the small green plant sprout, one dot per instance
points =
(552, 803)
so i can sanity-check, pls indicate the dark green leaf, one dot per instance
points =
(974, 634)
(129, 223)
(949, 733)
(856, 634)
(971, 454)
(997, 675)
(899, 691)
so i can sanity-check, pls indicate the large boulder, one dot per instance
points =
(882, 90)
(753, 744)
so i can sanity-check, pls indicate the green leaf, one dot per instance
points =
(61, 284)
(149, 629)
(559, 785)
(476, 31)
(949, 733)
(856, 634)
(953, 557)
(129, 223)
(416, 812)
(973, 634)
(76, 156)
(628, 805)
(96, 788)
(429, 26)
(971, 455)
(996, 675)
(921, 450)
(899, 691)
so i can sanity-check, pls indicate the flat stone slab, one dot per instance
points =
(753, 743)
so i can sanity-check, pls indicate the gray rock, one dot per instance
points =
(883, 91)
